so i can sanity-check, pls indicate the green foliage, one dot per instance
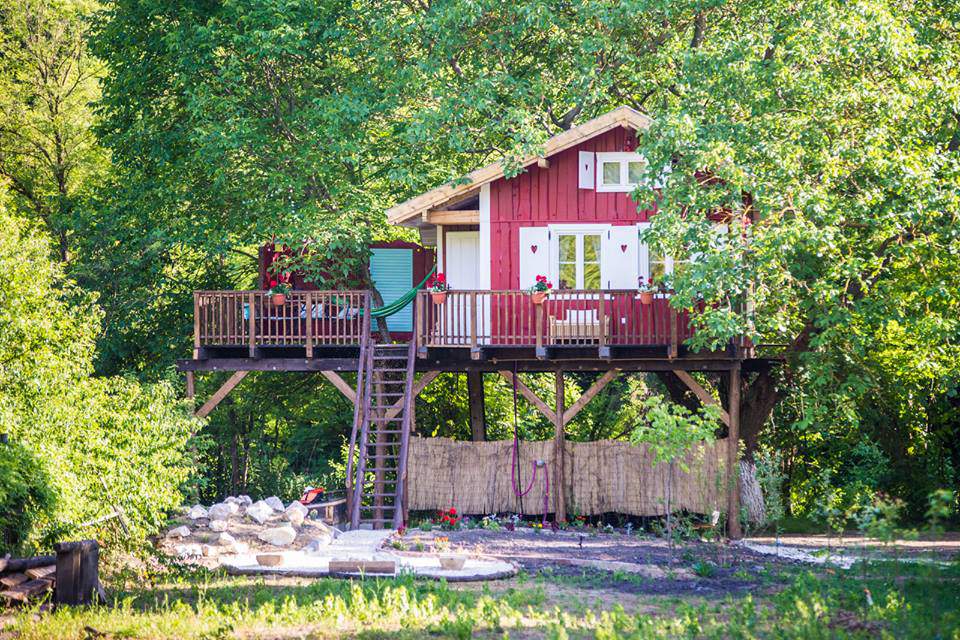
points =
(25, 495)
(671, 430)
(99, 442)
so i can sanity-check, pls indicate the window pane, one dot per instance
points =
(568, 276)
(568, 248)
(591, 275)
(635, 171)
(591, 248)
(611, 173)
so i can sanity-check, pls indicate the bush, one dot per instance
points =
(25, 496)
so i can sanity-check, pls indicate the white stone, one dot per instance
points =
(232, 500)
(317, 543)
(296, 513)
(218, 525)
(223, 510)
(241, 548)
(188, 550)
(226, 540)
(179, 532)
(259, 512)
(246, 501)
(274, 503)
(278, 536)
(197, 511)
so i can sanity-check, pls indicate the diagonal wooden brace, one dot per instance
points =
(701, 393)
(220, 394)
(532, 397)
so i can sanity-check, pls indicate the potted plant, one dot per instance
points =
(540, 290)
(278, 292)
(646, 291)
(438, 288)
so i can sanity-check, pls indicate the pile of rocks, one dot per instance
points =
(238, 525)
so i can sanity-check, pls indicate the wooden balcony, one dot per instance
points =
(570, 318)
(474, 320)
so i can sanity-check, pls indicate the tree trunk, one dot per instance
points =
(377, 302)
(751, 495)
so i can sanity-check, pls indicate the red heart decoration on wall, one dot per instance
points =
(623, 248)
(533, 248)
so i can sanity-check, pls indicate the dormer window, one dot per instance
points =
(620, 171)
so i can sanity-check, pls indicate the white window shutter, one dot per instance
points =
(618, 262)
(643, 255)
(586, 169)
(534, 255)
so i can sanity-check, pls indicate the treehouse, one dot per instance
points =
(568, 219)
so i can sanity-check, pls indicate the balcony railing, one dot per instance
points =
(251, 319)
(469, 319)
(566, 318)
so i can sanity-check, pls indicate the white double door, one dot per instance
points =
(462, 268)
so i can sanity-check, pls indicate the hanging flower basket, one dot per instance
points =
(540, 290)
(439, 297)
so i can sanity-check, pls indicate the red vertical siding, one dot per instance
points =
(541, 196)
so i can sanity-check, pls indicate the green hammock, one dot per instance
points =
(388, 310)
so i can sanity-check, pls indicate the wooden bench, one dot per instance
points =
(579, 327)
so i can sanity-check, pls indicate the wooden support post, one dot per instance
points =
(733, 456)
(196, 325)
(341, 385)
(191, 385)
(78, 581)
(309, 321)
(252, 326)
(540, 352)
(701, 393)
(674, 347)
(559, 483)
(478, 424)
(220, 394)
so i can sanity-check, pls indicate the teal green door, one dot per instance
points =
(392, 273)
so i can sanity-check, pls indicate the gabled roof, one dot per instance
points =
(414, 207)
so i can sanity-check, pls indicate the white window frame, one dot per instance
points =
(624, 158)
(579, 230)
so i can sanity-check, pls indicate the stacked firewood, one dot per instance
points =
(22, 579)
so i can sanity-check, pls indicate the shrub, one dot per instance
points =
(25, 495)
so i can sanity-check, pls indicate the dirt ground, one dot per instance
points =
(615, 561)
(945, 546)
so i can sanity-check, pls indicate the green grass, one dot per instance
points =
(889, 600)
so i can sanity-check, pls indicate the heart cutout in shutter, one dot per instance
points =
(623, 248)
(533, 248)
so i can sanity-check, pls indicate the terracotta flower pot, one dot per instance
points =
(538, 297)
(278, 299)
(646, 297)
(439, 297)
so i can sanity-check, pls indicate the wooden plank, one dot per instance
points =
(15, 565)
(594, 389)
(701, 393)
(531, 397)
(363, 566)
(41, 572)
(457, 216)
(340, 384)
(13, 579)
(558, 450)
(220, 394)
(733, 456)
(26, 590)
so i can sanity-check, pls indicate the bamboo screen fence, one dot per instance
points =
(601, 477)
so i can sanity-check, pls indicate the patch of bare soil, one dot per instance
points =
(617, 561)
(944, 546)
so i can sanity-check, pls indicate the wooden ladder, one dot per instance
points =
(382, 429)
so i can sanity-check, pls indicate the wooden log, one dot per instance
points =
(560, 515)
(26, 590)
(13, 579)
(42, 572)
(19, 565)
(733, 455)
(478, 424)
(363, 566)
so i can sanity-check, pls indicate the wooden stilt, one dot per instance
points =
(559, 482)
(478, 424)
(191, 388)
(220, 394)
(733, 456)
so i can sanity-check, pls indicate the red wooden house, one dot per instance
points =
(568, 215)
